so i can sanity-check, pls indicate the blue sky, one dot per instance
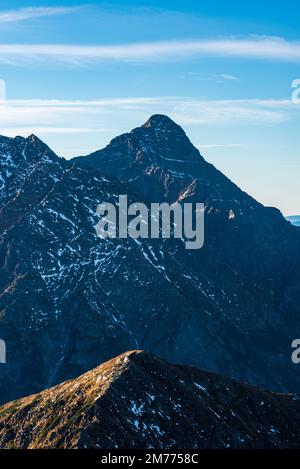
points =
(78, 74)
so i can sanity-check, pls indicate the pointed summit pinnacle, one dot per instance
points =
(160, 121)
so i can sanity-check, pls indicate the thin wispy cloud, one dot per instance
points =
(228, 77)
(216, 77)
(222, 145)
(61, 122)
(263, 48)
(92, 102)
(13, 131)
(90, 115)
(22, 14)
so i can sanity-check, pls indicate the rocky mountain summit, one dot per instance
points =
(70, 300)
(139, 401)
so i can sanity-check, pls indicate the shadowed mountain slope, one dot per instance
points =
(69, 300)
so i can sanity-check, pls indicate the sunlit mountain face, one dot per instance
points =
(139, 401)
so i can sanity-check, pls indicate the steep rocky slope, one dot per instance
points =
(28, 171)
(139, 401)
(69, 301)
(159, 160)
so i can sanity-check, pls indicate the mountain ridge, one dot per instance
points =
(294, 219)
(139, 401)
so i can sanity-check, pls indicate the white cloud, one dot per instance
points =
(13, 131)
(96, 102)
(63, 123)
(226, 76)
(51, 116)
(22, 14)
(251, 48)
(217, 77)
(222, 145)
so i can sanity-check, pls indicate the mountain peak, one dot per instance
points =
(160, 121)
(34, 140)
(32, 137)
(159, 141)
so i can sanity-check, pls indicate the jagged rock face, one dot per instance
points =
(69, 300)
(28, 171)
(139, 401)
(160, 162)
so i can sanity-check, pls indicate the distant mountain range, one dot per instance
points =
(139, 401)
(294, 219)
(69, 300)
